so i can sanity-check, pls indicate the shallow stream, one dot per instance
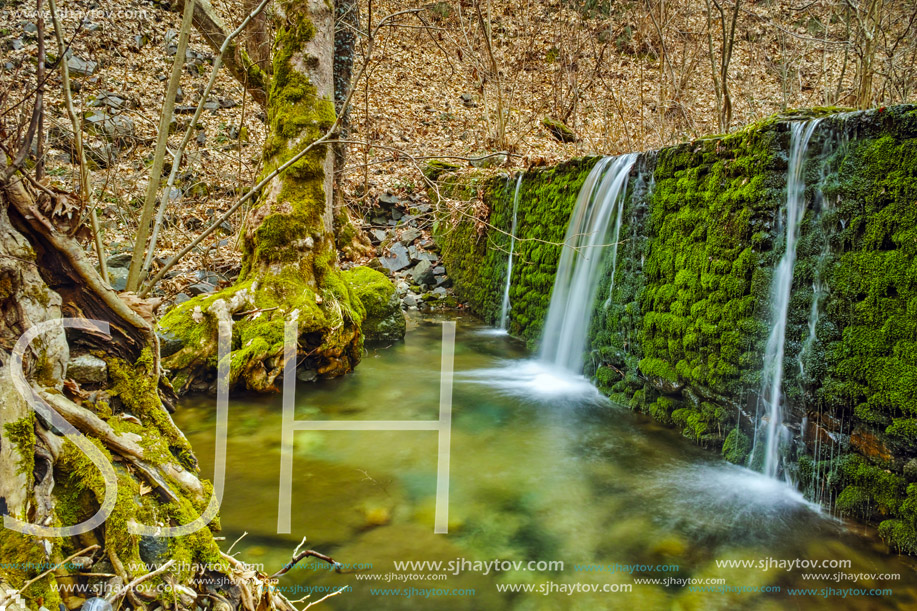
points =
(543, 470)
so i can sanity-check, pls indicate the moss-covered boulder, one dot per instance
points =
(384, 320)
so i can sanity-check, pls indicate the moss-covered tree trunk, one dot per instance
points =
(289, 269)
(46, 480)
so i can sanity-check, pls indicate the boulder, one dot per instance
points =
(384, 320)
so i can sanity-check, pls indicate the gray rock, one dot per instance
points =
(307, 375)
(398, 258)
(228, 103)
(444, 281)
(169, 344)
(439, 270)
(388, 200)
(379, 220)
(114, 127)
(427, 256)
(208, 276)
(30, 27)
(439, 291)
(122, 259)
(423, 273)
(16, 44)
(181, 298)
(409, 301)
(378, 235)
(411, 234)
(185, 110)
(118, 278)
(108, 99)
(87, 369)
(201, 288)
(211, 105)
(81, 67)
(488, 160)
(201, 138)
(154, 551)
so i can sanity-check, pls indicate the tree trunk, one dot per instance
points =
(289, 267)
(258, 43)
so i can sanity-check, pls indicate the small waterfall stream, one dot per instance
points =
(573, 297)
(772, 379)
(504, 309)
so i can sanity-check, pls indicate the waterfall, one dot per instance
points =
(504, 310)
(576, 283)
(772, 379)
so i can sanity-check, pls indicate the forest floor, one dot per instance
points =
(632, 77)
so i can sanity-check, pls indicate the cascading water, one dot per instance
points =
(772, 379)
(576, 283)
(504, 310)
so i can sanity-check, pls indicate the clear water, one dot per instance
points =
(543, 468)
(576, 283)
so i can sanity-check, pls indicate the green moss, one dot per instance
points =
(435, 168)
(135, 385)
(22, 556)
(736, 446)
(21, 433)
(383, 319)
(560, 131)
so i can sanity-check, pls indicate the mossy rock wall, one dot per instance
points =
(682, 337)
